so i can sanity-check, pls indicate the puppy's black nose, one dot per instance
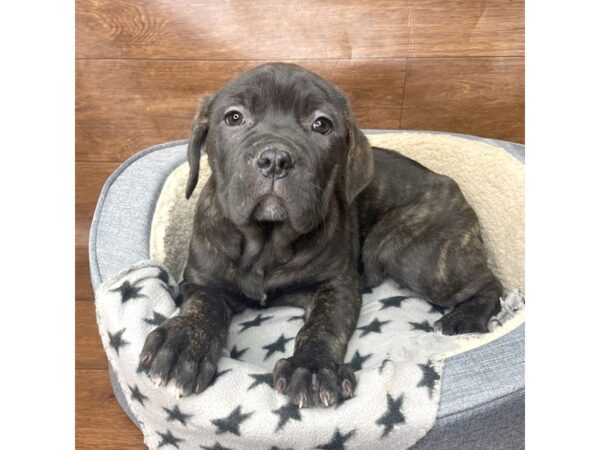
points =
(274, 162)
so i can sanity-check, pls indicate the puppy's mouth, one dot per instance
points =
(270, 209)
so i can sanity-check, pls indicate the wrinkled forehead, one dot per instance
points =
(282, 90)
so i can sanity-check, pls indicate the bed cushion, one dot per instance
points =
(121, 233)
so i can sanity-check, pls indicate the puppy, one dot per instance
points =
(300, 210)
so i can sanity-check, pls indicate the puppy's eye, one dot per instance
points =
(322, 125)
(234, 118)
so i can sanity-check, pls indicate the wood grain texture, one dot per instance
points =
(83, 283)
(101, 424)
(482, 96)
(466, 28)
(240, 30)
(89, 179)
(89, 353)
(299, 29)
(124, 106)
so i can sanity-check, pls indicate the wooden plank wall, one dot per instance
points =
(455, 65)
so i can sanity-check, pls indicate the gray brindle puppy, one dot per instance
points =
(300, 210)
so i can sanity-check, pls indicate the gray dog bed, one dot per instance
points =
(481, 404)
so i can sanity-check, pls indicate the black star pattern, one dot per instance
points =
(129, 291)
(116, 340)
(217, 446)
(437, 309)
(430, 376)
(137, 395)
(393, 416)
(277, 346)
(256, 322)
(373, 327)
(232, 422)
(237, 354)
(300, 317)
(179, 299)
(169, 439)
(163, 276)
(383, 363)
(338, 440)
(176, 414)
(423, 326)
(286, 413)
(395, 302)
(261, 378)
(357, 360)
(156, 320)
(218, 374)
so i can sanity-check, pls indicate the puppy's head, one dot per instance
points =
(280, 140)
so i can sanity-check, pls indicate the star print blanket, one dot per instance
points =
(396, 356)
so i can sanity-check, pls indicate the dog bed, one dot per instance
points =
(477, 398)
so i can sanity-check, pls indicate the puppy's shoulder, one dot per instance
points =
(397, 180)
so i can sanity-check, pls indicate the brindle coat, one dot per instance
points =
(300, 210)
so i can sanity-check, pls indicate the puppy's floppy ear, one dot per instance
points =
(359, 164)
(199, 131)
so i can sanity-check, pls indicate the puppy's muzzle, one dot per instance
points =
(275, 163)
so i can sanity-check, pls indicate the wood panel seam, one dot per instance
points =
(407, 64)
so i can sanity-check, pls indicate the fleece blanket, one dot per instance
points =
(397, 358)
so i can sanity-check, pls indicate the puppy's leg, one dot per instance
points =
(474, 307)
(436, 250)
(186, 348)
(315, 375)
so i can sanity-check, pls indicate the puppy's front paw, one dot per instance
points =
(180, 350)
(455, 322)
(311, 384)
